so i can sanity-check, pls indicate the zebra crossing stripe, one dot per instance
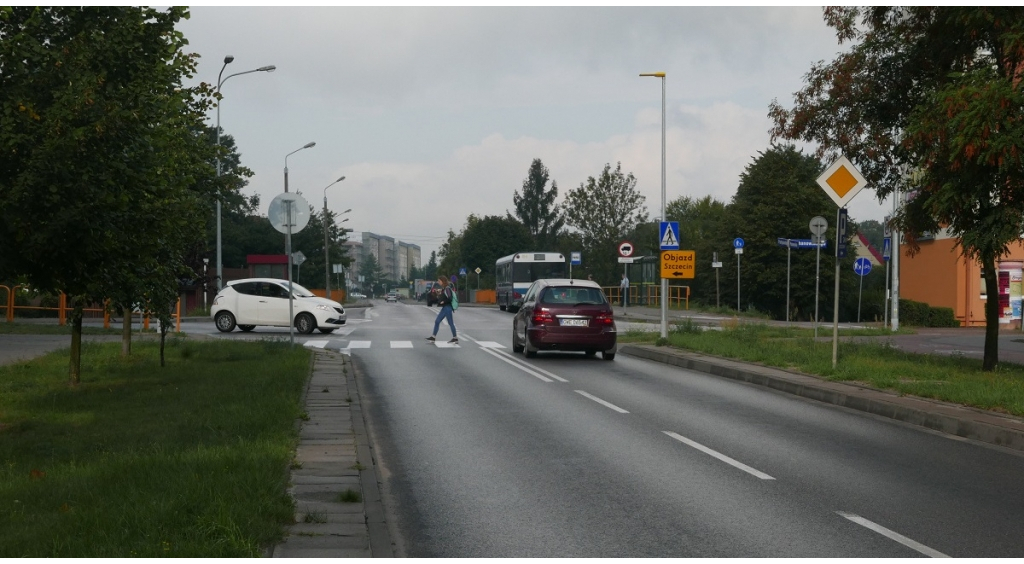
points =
(316, 344)
(401, 344)
(358, 344)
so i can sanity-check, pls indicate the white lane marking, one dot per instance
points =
(498, 355)
(524, 366)
(909, 543)
(718, 455)
(601, 401)
(490, 344)
(401, 344)
(358, 345)
(315, 344)
(532, 367)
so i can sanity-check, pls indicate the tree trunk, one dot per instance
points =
(126, 331)
(163, 338)
(991, 359)
(75, 368)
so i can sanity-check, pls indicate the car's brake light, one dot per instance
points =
(542, 316)
(603, 319)
(516, 295)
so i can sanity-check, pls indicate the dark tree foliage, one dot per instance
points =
(536, 207)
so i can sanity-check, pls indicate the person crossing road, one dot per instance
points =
(445, 301)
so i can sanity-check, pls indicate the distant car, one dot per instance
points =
(433, 295)
(264, 301)
(391, 297)
(565, 315)
(357, 296)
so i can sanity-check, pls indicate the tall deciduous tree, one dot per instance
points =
(603, 210)
(536, 207)
(99, 155)
(489, 239)
(936, 90)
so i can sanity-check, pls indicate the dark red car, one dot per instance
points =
(564, 315)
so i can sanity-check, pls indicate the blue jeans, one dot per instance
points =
(445, 313)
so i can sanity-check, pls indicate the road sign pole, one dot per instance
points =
(835, 308)
(288, 251)
(817, 283)
(738, 283)
(789, 268)
(860, 294)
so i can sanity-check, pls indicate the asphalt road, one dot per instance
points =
(485, 454)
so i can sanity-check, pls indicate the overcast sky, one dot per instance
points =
(436, 113)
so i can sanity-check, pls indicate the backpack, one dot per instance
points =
(455, 299)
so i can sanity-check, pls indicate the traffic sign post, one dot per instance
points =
(575, 258)
(716, 265)
(841, 181)
(818, 226)
(289, 213)
(862, 267)
(738, 244)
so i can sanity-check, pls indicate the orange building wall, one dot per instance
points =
(940, 277)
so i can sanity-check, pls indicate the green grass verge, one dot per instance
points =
(953, 379)
(190, 460)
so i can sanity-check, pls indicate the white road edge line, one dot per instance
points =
(521, 363)
(523, 368)
(909, 543)
(601, 401)
(720, 456)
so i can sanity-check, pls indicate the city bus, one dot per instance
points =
(514, 274)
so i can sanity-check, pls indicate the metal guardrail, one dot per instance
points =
(62, 310)
(646, 294)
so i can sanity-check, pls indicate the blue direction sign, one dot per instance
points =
(800, 243)
(737, 243)
(669, 235)
(862, 266)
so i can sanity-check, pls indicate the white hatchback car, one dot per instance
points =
(264, 301)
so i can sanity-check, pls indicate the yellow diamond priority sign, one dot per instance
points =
(841, 181)
(677, 264)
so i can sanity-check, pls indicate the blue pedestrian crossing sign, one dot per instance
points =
(887, 248)
(669, 235)
(462, 271)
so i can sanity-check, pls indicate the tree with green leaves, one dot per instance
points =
(490, 238)
(430, 270)
(935, 90)
(777, 197)
(536, 207)
(702, 226)
(100, 162)
(373, 274)
(311, 242)
(603, 211)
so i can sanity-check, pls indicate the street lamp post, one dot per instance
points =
(206, 262)
(327, 255)
(288, 245)
(664, 281)
(220, 81)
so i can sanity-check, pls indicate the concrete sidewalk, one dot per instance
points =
(338, 508)
(968, 422)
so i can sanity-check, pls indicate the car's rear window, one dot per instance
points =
(572, 295)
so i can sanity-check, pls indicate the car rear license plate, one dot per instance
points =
(575, 322)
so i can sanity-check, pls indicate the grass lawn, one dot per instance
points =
(190, 460)
(956, 380)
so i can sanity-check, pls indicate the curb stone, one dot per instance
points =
(971, 423)
(334, 457)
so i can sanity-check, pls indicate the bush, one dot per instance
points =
(942, 317)
(921, 314)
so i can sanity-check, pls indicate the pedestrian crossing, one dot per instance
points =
(348, 345)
